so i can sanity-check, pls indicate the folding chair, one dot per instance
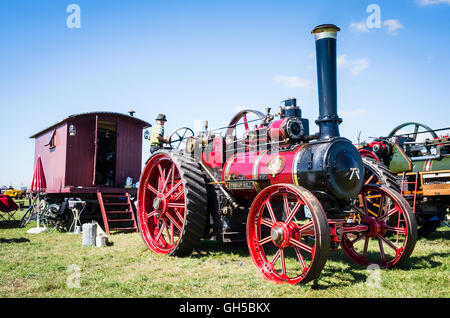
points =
(7, 208)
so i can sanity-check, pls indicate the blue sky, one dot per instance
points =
(204, 60)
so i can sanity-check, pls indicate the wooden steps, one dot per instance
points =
(117, 212)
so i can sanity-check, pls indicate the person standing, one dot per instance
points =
(156, 135)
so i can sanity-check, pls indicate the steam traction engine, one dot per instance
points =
(291, 194)
(418, 165)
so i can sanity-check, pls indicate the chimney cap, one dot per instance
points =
(131, 112)
(325, 28)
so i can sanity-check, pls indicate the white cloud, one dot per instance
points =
(359, 65)
(355, 66)
(359, 26)
(393, 25)
(293, 81)
(433, 2)
(342, 60)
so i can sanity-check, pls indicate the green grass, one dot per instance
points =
(35, 265)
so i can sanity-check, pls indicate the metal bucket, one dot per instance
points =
(89, 234)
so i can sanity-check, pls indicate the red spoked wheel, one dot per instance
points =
(288, 234)
(373, 238)
(365, 153)
(171, 204)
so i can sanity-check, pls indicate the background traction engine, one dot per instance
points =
(417, 164)
(291, 194)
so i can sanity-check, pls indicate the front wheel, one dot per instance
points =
(288, 234)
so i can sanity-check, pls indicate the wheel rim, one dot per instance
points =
(284, 242)
(372, 238)
(161, 204)
(369, 154)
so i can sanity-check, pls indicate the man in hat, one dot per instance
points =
(156, 135)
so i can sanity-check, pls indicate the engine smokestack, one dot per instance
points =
(328, 120)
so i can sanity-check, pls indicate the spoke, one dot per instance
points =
(360, 212)
(276, 257)
(293, 212)
(173, 189)
(366, 245)
(161, 180)
(178, 195)
(169, 234)
(301, 245)
(300, 257)
(390, 213)
(153, 213)
(161, 229)
(382, 203)
(172, 240)
(265, 240)
(389, 243)
(399, 230)
(179, 216)
(287, 211)
(383, 256)
(365, 208)
(176, 205)
(272, 215)
(305, 226)
(152, 189)
(266, 222)
(358, 238)
(174, 222)
(167, 178)
(370, 179)
(283, 262)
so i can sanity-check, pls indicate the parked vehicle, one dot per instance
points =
(88, 158)
(290, 194)
(14, 193)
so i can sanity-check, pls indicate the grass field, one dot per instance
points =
(49, 265)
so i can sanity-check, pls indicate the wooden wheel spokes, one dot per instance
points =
(164, 206)
(384, 234)
(281, 236)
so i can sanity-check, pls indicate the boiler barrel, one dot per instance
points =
(335, 167)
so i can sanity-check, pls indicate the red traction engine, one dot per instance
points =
(292, 195)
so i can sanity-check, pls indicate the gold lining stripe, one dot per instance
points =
(256, 164)
(255, 169)
(294, 167)
(228, 166)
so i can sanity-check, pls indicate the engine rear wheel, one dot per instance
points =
(378, 173)
(172, 204)
(288, 234)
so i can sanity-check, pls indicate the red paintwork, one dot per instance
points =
(215, 158)
(368, 154)
(164, 187)
(277, 131)
(274, 268)
(53, 160)
(255, 164)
